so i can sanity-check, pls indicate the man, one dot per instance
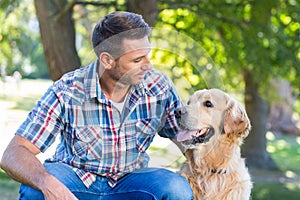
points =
(106, 115)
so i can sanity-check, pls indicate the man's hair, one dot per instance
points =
(110, 32)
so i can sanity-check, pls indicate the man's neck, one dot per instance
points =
(114, 90)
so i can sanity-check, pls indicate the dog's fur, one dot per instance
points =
(214, 167)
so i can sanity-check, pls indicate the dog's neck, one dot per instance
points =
(217, 160)
(196, 165)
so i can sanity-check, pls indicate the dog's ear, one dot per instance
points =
(236, 119)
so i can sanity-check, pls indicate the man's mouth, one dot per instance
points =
(195, 136)
(141, 75)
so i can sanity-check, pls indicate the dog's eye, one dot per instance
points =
(208, 104)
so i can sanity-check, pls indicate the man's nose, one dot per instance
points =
(147, 65)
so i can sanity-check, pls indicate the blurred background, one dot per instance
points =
(249, 48)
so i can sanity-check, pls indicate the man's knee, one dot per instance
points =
(175, 187)
(29, 193)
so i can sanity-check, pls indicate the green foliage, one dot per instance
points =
(20, 48)
(182, 54)
(7, 6)
(258, 36)
(183, 59)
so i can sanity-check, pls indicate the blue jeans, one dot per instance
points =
(147, 183)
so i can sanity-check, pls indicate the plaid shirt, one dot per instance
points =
(95, 138)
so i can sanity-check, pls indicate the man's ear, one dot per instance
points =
(106, 60)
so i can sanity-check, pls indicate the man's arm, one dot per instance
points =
(20, 163)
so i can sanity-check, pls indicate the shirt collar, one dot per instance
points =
(92, 84)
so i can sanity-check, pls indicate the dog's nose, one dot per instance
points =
(179, 111)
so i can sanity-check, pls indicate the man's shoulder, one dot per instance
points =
(78, 76)
(74, 77)
(73, 84)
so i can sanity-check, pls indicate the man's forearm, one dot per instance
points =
(19, 161)
(23, 166)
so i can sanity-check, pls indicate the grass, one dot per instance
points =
(16, 101)
(24, 103)
(8, 188)
(272, 191)
(285, 150)
(270, 185)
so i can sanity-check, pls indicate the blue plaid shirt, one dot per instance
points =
(95, 138)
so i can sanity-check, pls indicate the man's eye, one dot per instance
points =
(137, 60)
(208, 104)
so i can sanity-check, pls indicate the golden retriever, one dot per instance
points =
(213, 126)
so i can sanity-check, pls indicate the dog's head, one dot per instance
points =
(209, 115)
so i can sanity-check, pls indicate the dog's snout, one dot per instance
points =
(179, 112)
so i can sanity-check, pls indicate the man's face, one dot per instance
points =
(131, 67)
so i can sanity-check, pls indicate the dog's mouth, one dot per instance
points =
(188, 137)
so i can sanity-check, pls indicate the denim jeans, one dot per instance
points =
(143, 184)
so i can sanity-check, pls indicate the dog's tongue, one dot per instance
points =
(185, 135)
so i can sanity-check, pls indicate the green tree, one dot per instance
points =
(252, 42)
(20, 48)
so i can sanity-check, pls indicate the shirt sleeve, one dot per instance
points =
(170, 126)
(44, 122)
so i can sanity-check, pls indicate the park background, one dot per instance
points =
(250, 49)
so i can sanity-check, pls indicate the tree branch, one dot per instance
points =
(84, 3)
(95, 3)
(198, 11)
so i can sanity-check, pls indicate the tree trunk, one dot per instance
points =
(254, 147)
(147, 8)
(281, 112)
(58, 36)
